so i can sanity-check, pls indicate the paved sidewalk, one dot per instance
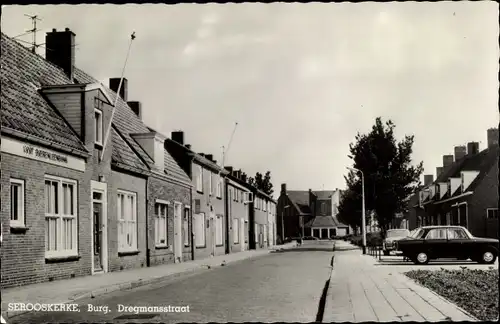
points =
(67, 291)
(361, 292)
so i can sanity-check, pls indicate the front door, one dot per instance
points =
(97, 211)
(99, 227)
(212, 233)
(242, 234)
(178, 244)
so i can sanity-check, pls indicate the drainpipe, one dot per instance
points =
(191, 211)
(148, 252)
(226, 211)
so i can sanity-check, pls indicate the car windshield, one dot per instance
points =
(416, 233)
(398, 233)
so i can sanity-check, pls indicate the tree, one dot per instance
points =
(262, 182)
(386, 165)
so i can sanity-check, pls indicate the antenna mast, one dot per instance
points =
(34, 19)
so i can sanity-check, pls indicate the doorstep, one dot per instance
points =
(71, 290)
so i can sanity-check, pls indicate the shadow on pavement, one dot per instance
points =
(306, 249)
(400, 262)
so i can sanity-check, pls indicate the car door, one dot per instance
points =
(435, 243)
(458, 243)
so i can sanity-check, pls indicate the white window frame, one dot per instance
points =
(121, 221)
(248, 197)
(219, 230)
(236, 231)
(219, 187)
(265, 233)
(158, 203)
(488, 213)
(98, 129)
(203, 218)
(184, 221)
(60, 216)
(20, 222)
(199, 179)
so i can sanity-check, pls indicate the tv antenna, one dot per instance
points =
(34, 19)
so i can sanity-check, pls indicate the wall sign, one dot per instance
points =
(35, 152)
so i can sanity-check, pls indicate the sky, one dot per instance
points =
(299, 79)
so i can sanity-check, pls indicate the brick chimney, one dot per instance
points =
(472, 148)
(114, 83)
(492, 134)
(209, 157)
(178, 136)
(439, 170)
(428, 179)
(243, 177)
(136, 107)
(447, 160)
(460, 152)
(238, 174)
(60, 50)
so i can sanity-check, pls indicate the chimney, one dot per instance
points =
(178, 136)
(492, 137)
(230, 169)
(238, 174)
(60, 50)
(460, 152)
(283, 188)
(447, 160)
(439, 170)
(472, 148)
(114, 83)
(428, 179)
(136, 107)
(209, 157)
(188, 146)
(244, 177)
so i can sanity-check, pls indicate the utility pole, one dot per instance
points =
(34, 19)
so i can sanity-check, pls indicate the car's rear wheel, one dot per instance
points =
(488, 257)
(421, 258)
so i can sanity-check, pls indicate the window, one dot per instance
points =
(492, 213)
(98, 126)
(236, 231)
(235, 194)
(199, 233)
(17, 203)
(456, 234)
(127, 221)
(219, 231)
(246, 231)
(161, 228)
(264, 205)
(265, 233)
(256, 231)
(436, 234)
(199, 179)
(219, 187)
(185, 227)
(61, 212)
(210, 188)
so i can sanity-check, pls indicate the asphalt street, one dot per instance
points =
(285, 286)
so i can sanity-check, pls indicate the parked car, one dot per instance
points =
(436, 242)
(392, 236)
(310, 238)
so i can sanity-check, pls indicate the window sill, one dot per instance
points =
(186, 246)
(220, 198)
(200, 192)
(219, 245)
(127, 253)
(201, 247)
(18, 229)
(98, 146)
(59, 259)
(162, 247)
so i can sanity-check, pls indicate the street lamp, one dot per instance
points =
(363, 221)
(283, 223)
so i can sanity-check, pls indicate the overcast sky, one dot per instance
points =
(300, 79)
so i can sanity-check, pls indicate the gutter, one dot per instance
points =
(468, 193)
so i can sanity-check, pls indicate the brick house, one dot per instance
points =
(210, 224)
(466, 191)
(237, 209)
(310, 213)
(93, 182)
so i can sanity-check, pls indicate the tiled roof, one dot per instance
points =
(324, 194)
(123, 155)
(321, 221)
(304, 209)
(23, 107)
(298, 196)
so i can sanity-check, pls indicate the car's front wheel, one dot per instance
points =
(421, 258)
(488, 257)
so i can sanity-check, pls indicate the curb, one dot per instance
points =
(143, 282)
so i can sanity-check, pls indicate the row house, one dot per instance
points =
(210, 221)
(309, 213)
(87, 187)
(465, 191)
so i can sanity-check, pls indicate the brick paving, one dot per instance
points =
(65, 291)
(361, 292)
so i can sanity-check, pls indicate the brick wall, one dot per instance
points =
(485, 196)
(137, 185)
(23, 254)
(171, 192)
(323, 211)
